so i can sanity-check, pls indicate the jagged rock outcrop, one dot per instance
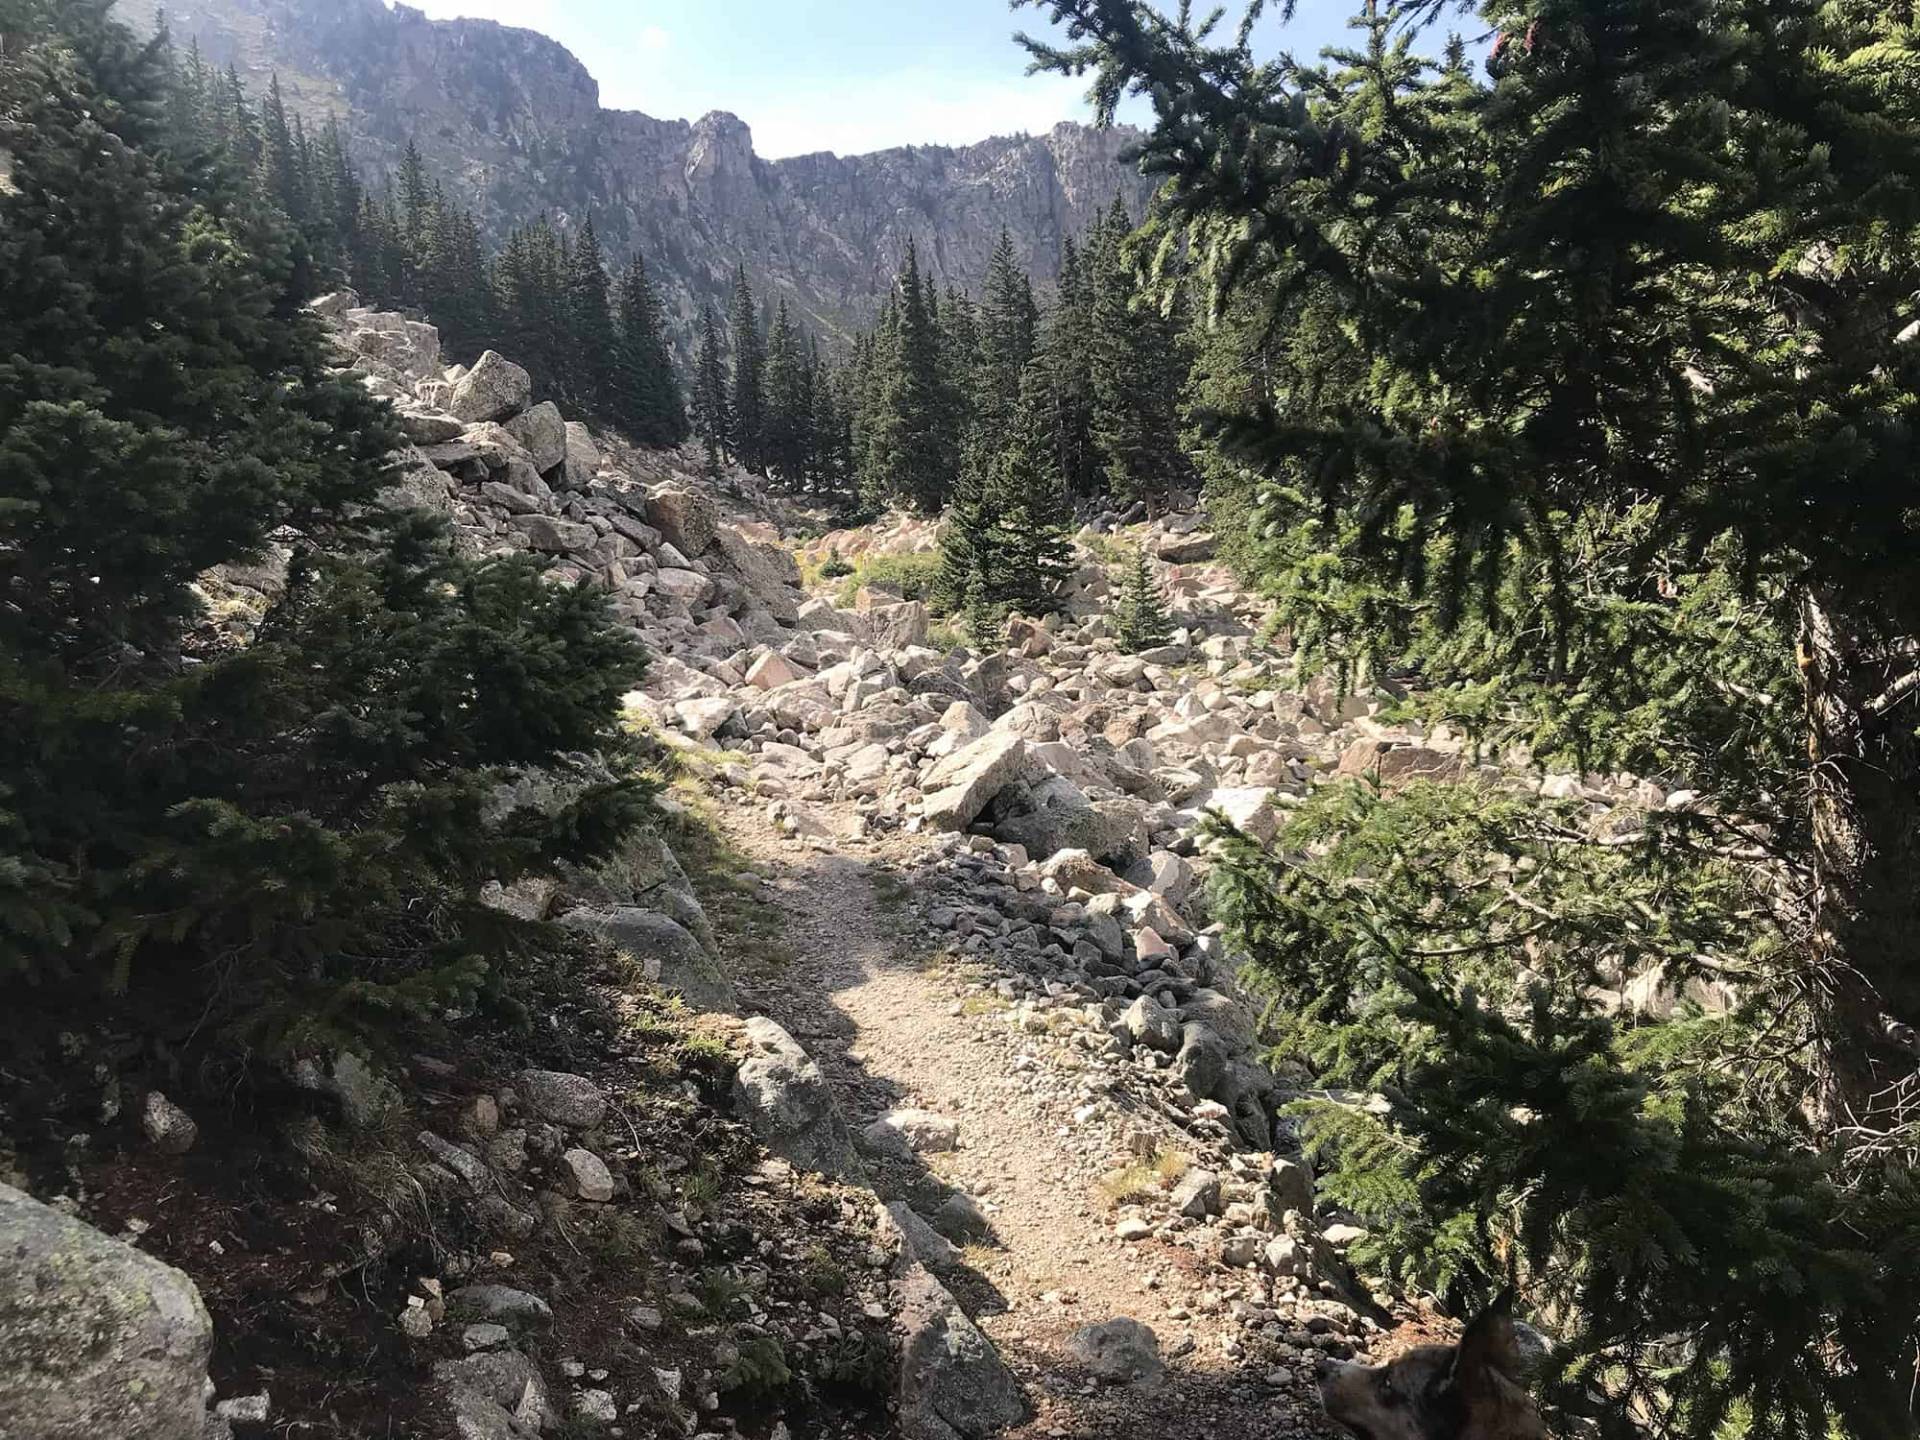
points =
(512, 123)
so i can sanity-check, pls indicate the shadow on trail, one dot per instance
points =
(802, 997)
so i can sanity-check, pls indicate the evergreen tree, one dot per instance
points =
(646, 393)
(1065, 351)
(258, 845)
(1592, 406)
(1009, 326)
(786, 440)
(1032, 516)
(414, 191)
(455, 287)
(969, 558)
(583, 353)
(234, 131)
(833, 434)
(911, 459)
(1135, 372)
(1139, 612)
(278, 165)
(1005, 544)
(746, 397)
(712, 411)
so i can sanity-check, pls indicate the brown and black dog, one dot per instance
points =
(1470, 1391)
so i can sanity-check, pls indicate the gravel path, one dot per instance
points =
(890, 1030)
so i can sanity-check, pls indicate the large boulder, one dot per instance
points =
(1203, 1061)
(1249, 808)
(411, 347)
(416, 483)
(896, 627)
(583, 457)
(1120, 1350)
(960, 786)
(495, 1395)
(786, 1099)
(688, 518)
(668, 952)
(767, 573)
(543, 434)
(553, 535)
(953, 1384)
(96, 1339)
(562, 1098)
(1397, 765)
(1058, 815)
(495, 389)
(645, 872)
(689, 587)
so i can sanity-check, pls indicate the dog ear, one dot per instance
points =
(1489, 1349)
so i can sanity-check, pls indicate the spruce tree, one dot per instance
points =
(1139, 611)
(833, 449)
(584, 350)
(1032, 517)
(1009, 326)
(969, 554)
(911, 460)
(1594, 408)
(277, 168)
(647, 394)
(245, 847)
(1134, 372)
(414, 193)
(746, 395)
(1065, 353)
(712, 410)
(788, 405)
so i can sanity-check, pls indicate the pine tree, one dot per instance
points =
(1139, 612)
(647, 393)
(263, 845)
(969, 555)
(1004, 543)
(746, 396)
(712, 411)
(1029, 497)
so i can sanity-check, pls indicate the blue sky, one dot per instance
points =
(842, 75)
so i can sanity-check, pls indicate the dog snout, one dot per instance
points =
(1326, 1367)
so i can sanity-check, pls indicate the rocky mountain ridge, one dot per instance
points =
(512, 123)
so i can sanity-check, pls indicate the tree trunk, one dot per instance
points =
(1864, 779)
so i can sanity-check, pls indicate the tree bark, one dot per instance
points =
(1864, 781)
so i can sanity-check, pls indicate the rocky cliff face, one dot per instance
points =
(512, 122)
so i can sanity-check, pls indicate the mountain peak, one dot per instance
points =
(511, 123)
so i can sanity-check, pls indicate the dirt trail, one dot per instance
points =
(890, 1031)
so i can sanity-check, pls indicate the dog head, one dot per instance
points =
(1469, 1391)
